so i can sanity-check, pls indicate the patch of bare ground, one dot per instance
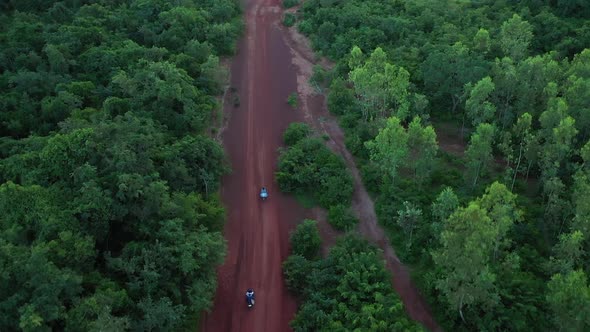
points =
(449, 139)
(315, 111)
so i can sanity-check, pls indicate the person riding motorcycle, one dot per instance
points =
(263, 193)
(250, 297)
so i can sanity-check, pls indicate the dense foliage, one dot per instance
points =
(308, 167)
(305, 240)
(110, 219)
(492, 207)
(348, 290)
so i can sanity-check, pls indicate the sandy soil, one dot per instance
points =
(257, 232)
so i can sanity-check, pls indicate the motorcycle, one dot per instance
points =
(263, 193)
(250, 297)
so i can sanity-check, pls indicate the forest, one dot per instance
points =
(109, 166)
(470, 122)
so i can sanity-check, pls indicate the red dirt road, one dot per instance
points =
(257, 232)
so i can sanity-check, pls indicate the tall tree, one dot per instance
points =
(515, 37)
(422, 147)
(568, 297)
(409, 219)
(445, 204)
(446, 71)
(382, 86)
(389, 149)
(479, 152)
(467, 280)
(524, 139)
(478, 107)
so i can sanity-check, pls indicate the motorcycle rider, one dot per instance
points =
(263, 193)
(250, 297)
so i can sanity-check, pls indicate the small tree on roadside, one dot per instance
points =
(305, 240)
(292, 100)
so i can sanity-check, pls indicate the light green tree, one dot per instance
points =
(567, 253)
(409, 218)
(389, 149)
(422, 147)
(382, 86)
(479, 152)
(524, 138)
(481, 41)
(478, 107)
(515, 37)
(581, 203)
(445, 204)
(467, 245)
(568, 297)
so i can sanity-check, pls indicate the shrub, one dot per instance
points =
(296, 269)
(289, 20)
(341, 99)
(292, 100)
(290, 3)
(341, 217)
(308, 167)
(296, 132)
(336, 189)
(305, 239)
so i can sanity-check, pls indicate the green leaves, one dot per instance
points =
(308, 167)
(110, 219)
(569, 300)
(305, 239)
(479, 152)
(467, 246)
(381, 85)
(477, 106)
(515, 37)
(389, 149)
(348, 290)
(474, 252)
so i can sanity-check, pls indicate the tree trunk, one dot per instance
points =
(476, 175)
(461, 308)
(455, 103)
(463, 124)
(517, 166)
(527, 170)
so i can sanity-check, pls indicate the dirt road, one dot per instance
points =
(257, 232)
(265, 71)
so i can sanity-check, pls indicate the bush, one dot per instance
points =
(308, 167)
(290, 3)
(305, 239)
(289, 20)
(350, 289)
(296, 132)
(292, 100)
(341, 217)
(336, 189)
(341, 99)
(296, 269)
